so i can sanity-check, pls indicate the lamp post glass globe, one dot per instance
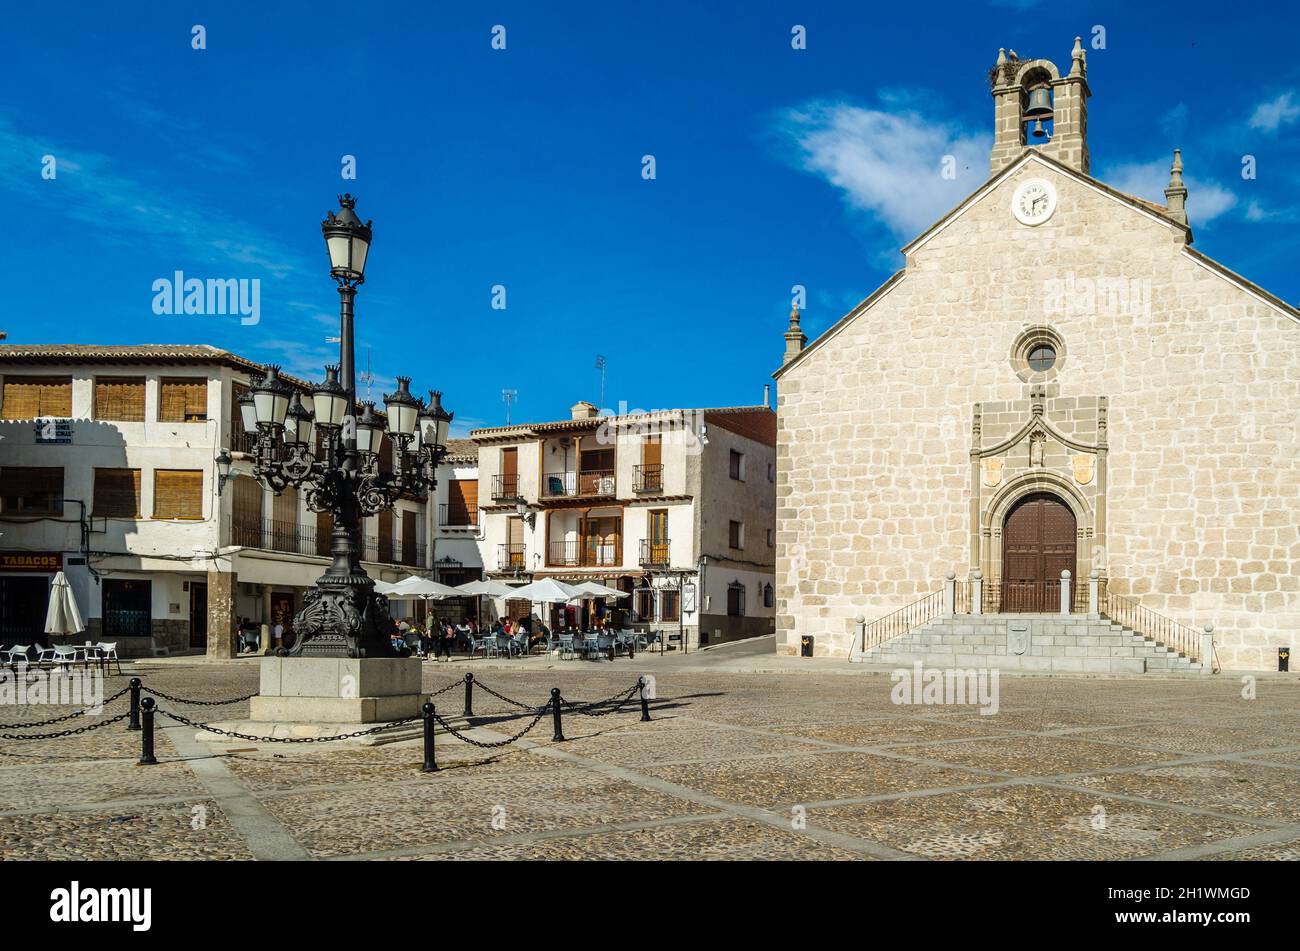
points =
(348, 242)
(403, 409)
(370, 430)
(271, 398)
(330, 400)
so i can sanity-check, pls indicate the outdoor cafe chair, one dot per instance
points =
(488, 645)
(107, 654)
(566, 647)
(17, 655)
(591, 644)
(65, 655)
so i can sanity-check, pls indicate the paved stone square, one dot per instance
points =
(744, 760)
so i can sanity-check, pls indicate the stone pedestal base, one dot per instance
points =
(337, 690)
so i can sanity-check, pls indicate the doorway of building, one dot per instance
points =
(199, 615)
(23, 603)
(1038, 543)
(128, 608)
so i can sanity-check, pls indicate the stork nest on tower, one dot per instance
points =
(995, 73)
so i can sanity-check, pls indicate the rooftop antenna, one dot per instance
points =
(368, 376)
(600, 365)
(508, 395)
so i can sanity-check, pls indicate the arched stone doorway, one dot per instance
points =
(1039, 541)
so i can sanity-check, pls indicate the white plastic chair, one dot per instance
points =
(65, 655)
(17, 654)
(567, 650)
(108, 654)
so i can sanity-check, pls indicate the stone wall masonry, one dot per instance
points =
(1203, 383)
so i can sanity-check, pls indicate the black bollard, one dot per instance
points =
(645, 704)
(430, 759)
(555, 715)
(134, 722)
(146, 732)
(469, 695)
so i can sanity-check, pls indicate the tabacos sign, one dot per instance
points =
(30, 561)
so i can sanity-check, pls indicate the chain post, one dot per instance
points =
(555, 715)
(146, 732)
(430, 759)
(134, 722)
(645, 704)
(469, 695)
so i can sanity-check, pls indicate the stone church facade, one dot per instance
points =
(1056, 381)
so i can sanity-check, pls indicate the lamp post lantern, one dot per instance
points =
(317, 441)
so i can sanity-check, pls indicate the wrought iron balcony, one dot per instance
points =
(648, 479)
(510, 557)
(505, 488)
(655, 554)
(458, 517)
(588, 483)
(591, 553)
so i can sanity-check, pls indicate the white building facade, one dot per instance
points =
(107, 473)
(674, 507)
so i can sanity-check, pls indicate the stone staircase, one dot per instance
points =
(1055, 643)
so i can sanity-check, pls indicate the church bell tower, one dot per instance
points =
(1036, 107)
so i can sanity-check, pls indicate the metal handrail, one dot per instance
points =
(1163, 630)
(902, 621)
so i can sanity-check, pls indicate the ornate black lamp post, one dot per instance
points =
(333, 454)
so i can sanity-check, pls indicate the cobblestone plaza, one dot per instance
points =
(743, 760)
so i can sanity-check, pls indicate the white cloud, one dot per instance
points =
(1272, 115)
(1206, 199)
(888, 164)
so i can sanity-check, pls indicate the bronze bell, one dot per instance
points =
(1040, 104)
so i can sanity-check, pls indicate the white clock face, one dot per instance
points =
(1034, 201)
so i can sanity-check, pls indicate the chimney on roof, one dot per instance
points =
(584, 410)
(767, 395)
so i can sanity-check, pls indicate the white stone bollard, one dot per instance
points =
(1065, 591)
(977, 592)
(1093, 584)
(950, 594)
(1207, 649)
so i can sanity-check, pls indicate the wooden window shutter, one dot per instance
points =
(385, 535)
(178, 493)
(117, 493)
(120, 398)
(410, 544)
(26, 397)
(324, 526)
(246, 513)
(183, 400)
(31, 491)
(652, 451)
(462, 502)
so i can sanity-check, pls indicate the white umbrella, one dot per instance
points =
(593, 589)
(492, 589)
(416, 587)
(63, 617)
(547, 591)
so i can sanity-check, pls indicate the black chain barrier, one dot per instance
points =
(538, 713)
(68, 716)
(284, 739)
(197, 703)
(52, 736)
(589, 709)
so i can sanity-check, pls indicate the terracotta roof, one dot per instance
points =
(29, 353)
(459, 450)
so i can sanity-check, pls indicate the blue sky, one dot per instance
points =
(522, 167)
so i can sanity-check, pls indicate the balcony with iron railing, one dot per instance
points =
(654, 554)
(584, 484)
(505, 488)
(648, 479)
(510, 557)
(456, 516)
(296, 539)
(588, 553)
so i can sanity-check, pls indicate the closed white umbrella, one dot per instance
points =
(63, 616)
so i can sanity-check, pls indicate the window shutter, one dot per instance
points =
(120, 398)
(324, 525)
(385, 521)
(26, 397)
(246, 513)
(409, 543)
(31, 491)
(117, 493)
(462, 502)
(178, 493)
(183, 400)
